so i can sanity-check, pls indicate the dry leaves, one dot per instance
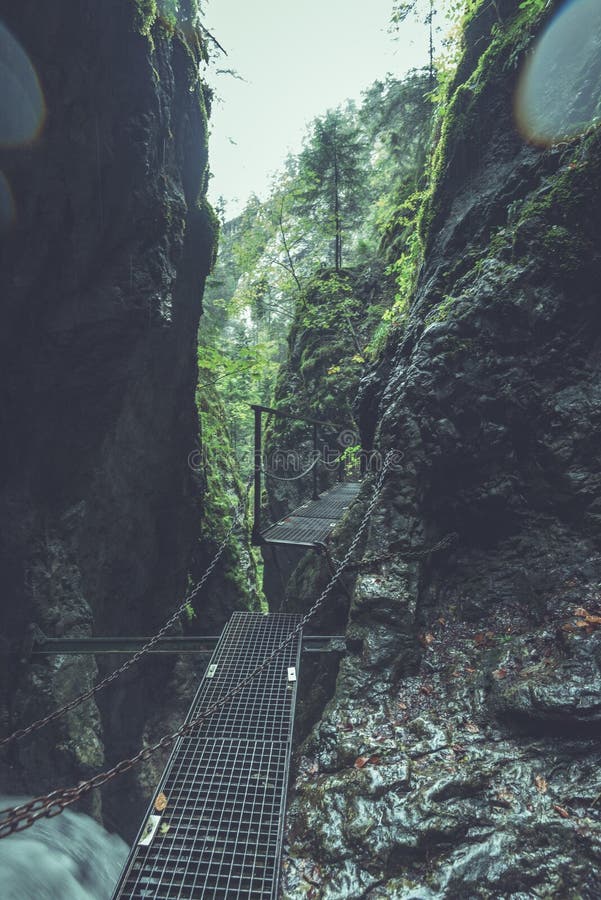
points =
(499, 674)
(561, 811)
(484, 639)
(469, 726)
(363, 761)
(504, 798)
(541, 784)
(587, 616)
(584, 619)
(160, 803)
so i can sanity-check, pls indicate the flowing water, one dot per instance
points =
(69, 857)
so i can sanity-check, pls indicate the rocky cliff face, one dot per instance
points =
(459, 756)
(332, 328)
(101, 281)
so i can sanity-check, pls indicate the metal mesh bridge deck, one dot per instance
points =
(312, 522)
(220, 834)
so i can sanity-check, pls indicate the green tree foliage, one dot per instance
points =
(347, 196)
(397, 117)
(330, 176)
(425, 11)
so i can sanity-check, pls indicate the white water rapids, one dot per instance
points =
(69, 857)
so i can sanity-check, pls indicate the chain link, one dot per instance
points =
(91, 692)
(292, 477)
(19, 818)
(414, 553)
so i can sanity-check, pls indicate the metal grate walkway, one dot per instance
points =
(220, 833)
(311, 523)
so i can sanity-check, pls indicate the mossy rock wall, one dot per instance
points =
(459, 756)
(101, 281)
(320, 378)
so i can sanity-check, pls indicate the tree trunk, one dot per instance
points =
(337, 222)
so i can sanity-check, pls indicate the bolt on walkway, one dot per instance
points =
(215, 825)
(312, 522)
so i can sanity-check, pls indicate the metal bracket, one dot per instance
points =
(149, 831)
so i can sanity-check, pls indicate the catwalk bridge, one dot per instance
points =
(214, 828)
(215, 825)
(310, 524)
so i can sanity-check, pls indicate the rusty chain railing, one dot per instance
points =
(91, 692)
(21, 817)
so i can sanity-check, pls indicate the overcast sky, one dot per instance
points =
(298, 58)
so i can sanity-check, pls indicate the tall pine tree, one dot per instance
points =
(330, 186)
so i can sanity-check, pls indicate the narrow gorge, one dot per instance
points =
(422, 276)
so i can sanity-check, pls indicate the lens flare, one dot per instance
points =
(559, 94)
(22, 109)
(7, 204)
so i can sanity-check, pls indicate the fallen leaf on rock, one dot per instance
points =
(471, 727)
(505, 797)
(160, 803)
(561, 811)
(363, 761)
(585, 614)
(541, 784)
(310, 768)
(585, 619)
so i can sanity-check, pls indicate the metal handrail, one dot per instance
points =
(287, 415)
(258, 457)
(199, 644)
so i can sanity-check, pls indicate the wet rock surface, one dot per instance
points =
(478, 775)
(459, 755)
